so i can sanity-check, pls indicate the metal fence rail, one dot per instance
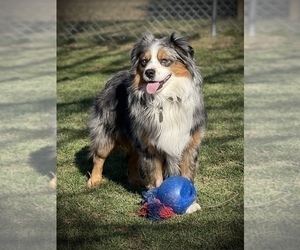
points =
(119, 19)
(115, 19)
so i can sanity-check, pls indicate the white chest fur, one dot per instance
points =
(176, 119)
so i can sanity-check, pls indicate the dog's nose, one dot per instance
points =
(150, 73)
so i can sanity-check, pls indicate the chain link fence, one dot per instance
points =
(27, 20)
(113, 20)
(117, 20)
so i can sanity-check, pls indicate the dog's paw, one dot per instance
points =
(193, 208)
(93, 182)
(52, 182)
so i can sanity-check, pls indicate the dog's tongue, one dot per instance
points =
(152, 87)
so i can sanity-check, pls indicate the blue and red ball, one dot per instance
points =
(173, 196)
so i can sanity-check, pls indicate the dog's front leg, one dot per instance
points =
(152, 167)
(96, 175)
(99, 157)
(188, 163)
(134, 177)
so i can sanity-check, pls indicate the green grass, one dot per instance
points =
(107, 217)
(272, 142)
(27, 152)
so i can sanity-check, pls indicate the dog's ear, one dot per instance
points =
(181, 46)
(140, 46)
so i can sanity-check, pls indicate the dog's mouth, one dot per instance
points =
(152, 86)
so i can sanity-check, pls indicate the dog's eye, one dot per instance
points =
(144, 63)
(165, 62)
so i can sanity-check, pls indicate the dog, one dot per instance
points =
(155, 110)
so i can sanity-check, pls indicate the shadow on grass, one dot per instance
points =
(224, 76)
(115, 167)
(97, 232)
(44, 160)
(109, 69)
(104, 61)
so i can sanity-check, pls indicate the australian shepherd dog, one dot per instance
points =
(155, 110)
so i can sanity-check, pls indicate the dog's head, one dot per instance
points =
(158, 62)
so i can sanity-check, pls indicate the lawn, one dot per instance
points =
(27, 151)
(107, 217)
(272, 85)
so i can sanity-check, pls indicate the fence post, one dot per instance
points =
(240, 9)
(252, 16)
(214, 18)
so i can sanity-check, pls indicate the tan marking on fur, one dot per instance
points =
(162, 54)
(155, 178)
(138, 79)
(185, 163)
(179, 69)
(158, 171)
(147, 55)
(134, 177)
(99, 159)
(148, 145)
